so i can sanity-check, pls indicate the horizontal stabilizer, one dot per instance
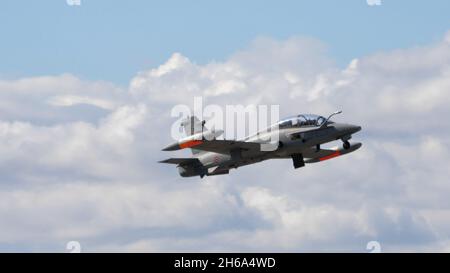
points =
(181, 161)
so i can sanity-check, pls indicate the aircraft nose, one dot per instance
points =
(353, 128)
(347, 129)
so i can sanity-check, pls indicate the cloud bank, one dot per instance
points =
(78, 158)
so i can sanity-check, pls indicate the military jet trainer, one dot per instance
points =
(299, 139)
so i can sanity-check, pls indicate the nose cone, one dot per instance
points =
(353, 128)
(347, 129)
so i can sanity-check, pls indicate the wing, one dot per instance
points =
(181, 161)
(226, 146)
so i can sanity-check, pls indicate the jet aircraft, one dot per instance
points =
(299, 138)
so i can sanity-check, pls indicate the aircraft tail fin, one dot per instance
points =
(193, 125)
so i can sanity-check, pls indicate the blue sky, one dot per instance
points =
(112, 40)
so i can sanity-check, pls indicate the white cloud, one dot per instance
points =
(53, 99)
(94, 177)
(70, 100)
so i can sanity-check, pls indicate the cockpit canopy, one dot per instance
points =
(301, 121)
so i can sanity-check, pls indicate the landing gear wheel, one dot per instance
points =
(346, 145)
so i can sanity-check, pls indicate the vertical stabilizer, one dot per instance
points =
(192, 125)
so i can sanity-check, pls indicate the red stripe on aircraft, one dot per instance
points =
(191, 143)
(335, 154)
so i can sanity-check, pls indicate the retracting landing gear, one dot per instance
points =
(346, 145)
(298, 160)
(345, 140)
